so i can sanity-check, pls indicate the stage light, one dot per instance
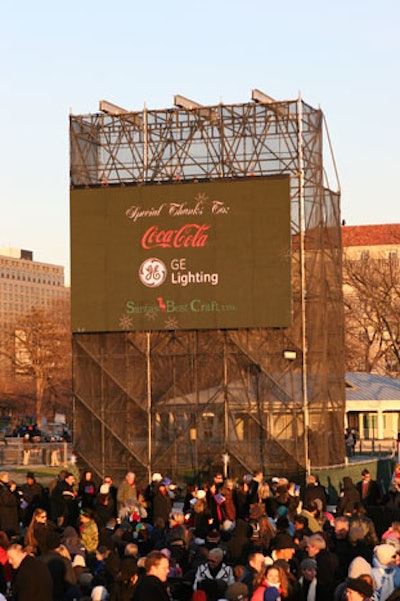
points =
(261, 98)
(185, 103)
(290, 355)
(205, 112)
(116, 111)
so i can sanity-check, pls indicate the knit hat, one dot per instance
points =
(271, 593)
(85, 579)
(199, 541)
(78, 561)
(99, 593)
(308, 564)
(384, 553)
(282, 511)
(359, 566)
(236, 591)
(227, 526)
(359, 585)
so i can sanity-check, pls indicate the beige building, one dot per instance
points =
(25, 283)
(362, 242)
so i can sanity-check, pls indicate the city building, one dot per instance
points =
(25, 283)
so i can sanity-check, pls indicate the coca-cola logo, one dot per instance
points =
(189, 235)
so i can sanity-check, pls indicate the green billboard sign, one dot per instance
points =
(181, 256)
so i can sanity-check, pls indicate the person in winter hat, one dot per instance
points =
(237, 592)
(349, 498)
(385, 573)
(358, 589)
(310, 589)
(271, 584)
(358, 567)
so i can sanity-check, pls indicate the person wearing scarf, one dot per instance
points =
(271, 585)
(310, 588)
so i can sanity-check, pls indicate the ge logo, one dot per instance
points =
(152, 273)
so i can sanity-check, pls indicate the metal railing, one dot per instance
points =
(17, 452)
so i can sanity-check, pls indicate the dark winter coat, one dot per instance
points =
(349, 498)
(162, 506)
(32, 581)
(150, 588)
(9, 508)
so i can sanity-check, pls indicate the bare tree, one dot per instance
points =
(372, 314)
(39, 349)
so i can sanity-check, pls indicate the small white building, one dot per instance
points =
(373, 405)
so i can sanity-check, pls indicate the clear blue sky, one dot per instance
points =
(342, 55)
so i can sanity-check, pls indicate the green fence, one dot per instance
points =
(332, 477)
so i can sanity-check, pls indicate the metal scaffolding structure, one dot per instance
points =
(176, 401)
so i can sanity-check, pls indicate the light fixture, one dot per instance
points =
(185, 103)
(258, 96)
(116, 111)
(205, 112)
(262, 98)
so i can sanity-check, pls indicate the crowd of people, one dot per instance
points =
(246, 540)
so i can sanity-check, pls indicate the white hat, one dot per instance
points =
(201, 494)
(359, 566)
(384, 553)
(99, 593)
(104, 489)
(156, 477)
(227, 525)
(78, 560)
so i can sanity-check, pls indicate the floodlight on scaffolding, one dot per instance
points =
(262, 98)
(205, 112)
(185, 103)
(116, 111)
